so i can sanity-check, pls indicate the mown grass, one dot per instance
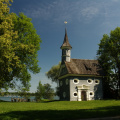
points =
(58, 110)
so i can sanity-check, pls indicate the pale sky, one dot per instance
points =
(87, 21)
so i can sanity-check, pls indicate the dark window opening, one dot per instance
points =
(75, 94)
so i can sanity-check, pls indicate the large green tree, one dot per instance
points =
(19, 44)
(29, 44)
(109, 58)
(7, 48)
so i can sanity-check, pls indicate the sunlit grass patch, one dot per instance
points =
(62, 110)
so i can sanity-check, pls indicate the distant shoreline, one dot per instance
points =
(9, 98)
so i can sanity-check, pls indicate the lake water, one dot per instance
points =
(8, 98)
(32, 98)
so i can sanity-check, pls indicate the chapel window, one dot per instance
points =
(90, 81)
(97, 81)
(75, 81)
(75, 94)
(91, 93)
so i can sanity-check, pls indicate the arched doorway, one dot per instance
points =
(83, 95)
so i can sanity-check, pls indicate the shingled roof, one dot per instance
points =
(66, 41)
(84, 67)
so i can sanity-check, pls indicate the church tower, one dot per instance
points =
(66, 49)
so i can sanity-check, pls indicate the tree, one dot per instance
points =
(7, 35)
(29, 45)
(109, 58)
(19, 44)
(44, 91)
(40, 91)
(49, 92)
(23, 91)
(53, 74)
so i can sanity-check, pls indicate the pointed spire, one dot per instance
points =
(66, 41)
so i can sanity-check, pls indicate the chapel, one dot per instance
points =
(79, 79)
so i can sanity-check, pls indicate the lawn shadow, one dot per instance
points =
(61, 114)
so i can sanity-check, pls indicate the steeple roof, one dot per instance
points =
(66, 42)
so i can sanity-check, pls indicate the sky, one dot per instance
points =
(87, 21)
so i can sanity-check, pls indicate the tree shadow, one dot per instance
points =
(61, 114)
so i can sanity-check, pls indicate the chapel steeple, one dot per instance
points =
(66, 49)
(66, 41)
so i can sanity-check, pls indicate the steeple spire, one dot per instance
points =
(66, 41)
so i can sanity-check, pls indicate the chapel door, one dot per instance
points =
(83, 95)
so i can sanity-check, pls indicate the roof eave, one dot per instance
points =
(63, 47)
(82, 75)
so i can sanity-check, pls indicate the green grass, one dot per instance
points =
(58, 110)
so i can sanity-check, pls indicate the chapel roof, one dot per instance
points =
(84, 67)
(66, 41)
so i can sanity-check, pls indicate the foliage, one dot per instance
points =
(57, 91)
(40, 91)
(23, 91)
(64, 109)
(109, 58)
(2, 93)
(49, 92)
(19, 44)
(19, 93)
(53, 73)
(7, 47)
(29, 40)
(44, 91)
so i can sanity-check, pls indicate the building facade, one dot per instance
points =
(79, 79)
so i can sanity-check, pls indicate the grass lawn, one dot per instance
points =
(58, 110)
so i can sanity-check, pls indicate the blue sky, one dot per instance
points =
(87, 21)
